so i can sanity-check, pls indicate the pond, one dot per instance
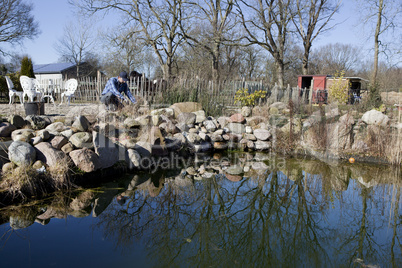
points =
(244, 210)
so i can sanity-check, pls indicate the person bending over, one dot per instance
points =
(112, 95)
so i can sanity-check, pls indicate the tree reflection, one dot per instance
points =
(305, 213)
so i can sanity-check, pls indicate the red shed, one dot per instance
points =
(318, 83)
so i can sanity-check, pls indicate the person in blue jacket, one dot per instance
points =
(113, 96)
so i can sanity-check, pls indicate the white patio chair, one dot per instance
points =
(12, 92)
(29, 89)
(70, 88)
(41, 90)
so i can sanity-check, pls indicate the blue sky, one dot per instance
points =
(53, 15)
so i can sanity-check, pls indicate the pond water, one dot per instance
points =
(245, 210)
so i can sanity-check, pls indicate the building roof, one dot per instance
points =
(52, 68)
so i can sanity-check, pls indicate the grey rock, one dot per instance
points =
(223, 121)
(67, 133)
(262, 134)
(58, 142)
(186, 118)
(246, 111)
(236, 128)
(22, 135)
(55, 127)
(6, 129)
(21, 153)
(17, 121)
(107, 151)
(169, 112)
(375, 117)
(81, 140)
(210, 125)
(262, 145)
(200, 116)
(43, 134)
(37, 122)
(131, 123)
(81, 123)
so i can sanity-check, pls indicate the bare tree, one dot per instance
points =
(332, 58)
(384, 15)
(158, 20)
(124, 50)
(312, 18)
(76, 43)
(16, 22)
(267, 25)
(213, 23)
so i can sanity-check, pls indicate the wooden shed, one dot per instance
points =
(321, 84)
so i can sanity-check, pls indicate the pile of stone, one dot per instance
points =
(181, 128)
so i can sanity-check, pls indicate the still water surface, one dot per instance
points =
(240, 210)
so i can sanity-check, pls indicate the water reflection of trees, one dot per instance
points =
(299, 213)
(272, 218)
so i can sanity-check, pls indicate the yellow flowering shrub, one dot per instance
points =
(246, 99)
(339, 89)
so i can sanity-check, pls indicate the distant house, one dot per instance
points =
(62, 71)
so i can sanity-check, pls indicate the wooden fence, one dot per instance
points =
(219, 93)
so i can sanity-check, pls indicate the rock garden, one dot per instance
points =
(43, 153)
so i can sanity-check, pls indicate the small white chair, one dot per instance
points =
(28, 87)
(70, 88)
(41, 90)
(12, 92)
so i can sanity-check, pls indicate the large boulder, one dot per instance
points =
(81, 123)
(17, 121)
(169, 112)
(238, 118)
(246, 111)
(199, 116)
(85, 159)
(236, 128)
(22, 135)
(38, 122)
(223, 121)
(81, 140)
(262, 145)
(278, 105)
(107, 151)
(6, 129)
(210, 125)
(262, 134)
(21, 153)
(55, 127)
(58, 142)
(375, 117)
(186, 118)
(131, 123)
(49, 155)
(185, 107)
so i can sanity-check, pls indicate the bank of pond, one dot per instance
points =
(221, 209)
(42, 154)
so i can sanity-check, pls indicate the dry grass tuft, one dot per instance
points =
(59, 174)
(24, 182)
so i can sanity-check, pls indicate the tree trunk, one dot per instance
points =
(306, 55)
(377, 42)
(280, 73)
